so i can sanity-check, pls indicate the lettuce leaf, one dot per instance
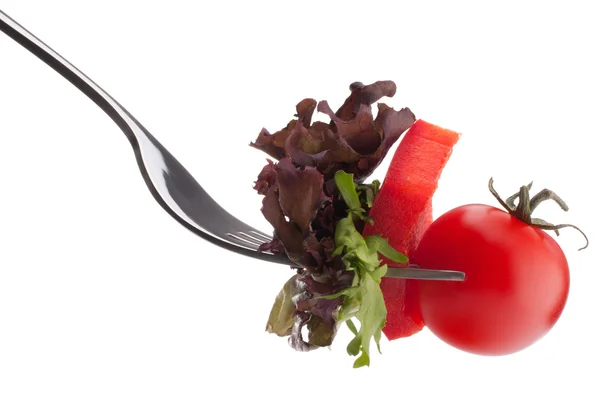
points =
(317, 202)
(364, 299)
(353, 141)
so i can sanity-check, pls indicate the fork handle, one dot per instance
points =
(133, 130)
(54, 60)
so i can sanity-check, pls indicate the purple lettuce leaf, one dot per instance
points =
(302, 203)
(293, 196)
(353, 141)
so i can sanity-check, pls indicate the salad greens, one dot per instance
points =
(364, 299)
(317, 202)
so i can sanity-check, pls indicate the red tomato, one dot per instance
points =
(516, 287)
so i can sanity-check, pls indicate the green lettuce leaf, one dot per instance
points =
(281, 318)
(364, 300)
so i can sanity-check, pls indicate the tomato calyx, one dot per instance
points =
(528, 204)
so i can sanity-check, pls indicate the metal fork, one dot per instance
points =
(171, 185)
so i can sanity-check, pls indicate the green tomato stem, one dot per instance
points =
(527, 205)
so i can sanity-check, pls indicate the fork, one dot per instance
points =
(171, 185)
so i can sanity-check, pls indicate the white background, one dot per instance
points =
(103, 295)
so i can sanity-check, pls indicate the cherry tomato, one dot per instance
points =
(516, 286)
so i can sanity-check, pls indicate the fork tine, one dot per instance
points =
(243, 241)
(261, 236)
(253, 244)
(425, 274)
(251, 238)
